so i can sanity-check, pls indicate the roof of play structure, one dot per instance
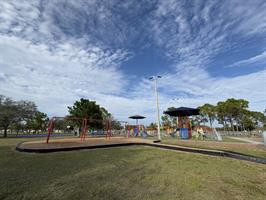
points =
(137, 117)
(182, 111)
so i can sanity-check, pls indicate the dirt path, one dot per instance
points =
(246, 140)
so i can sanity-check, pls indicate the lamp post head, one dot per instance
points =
(155, 77)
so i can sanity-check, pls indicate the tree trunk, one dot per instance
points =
(5, 132)
(232, 126)
(224, 124)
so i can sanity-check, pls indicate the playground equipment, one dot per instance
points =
(84, 125)
(217, 136)
(136, 130)
(137, 127)
(137, 117)
(264, 137)
(184, 124)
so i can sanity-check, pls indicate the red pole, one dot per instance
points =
(50, 129)
(105, 129)
(110, 129)
(84, 129)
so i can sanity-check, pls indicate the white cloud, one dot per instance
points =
(258, 59)
(193, 33)
(33, 72)
(54, 52)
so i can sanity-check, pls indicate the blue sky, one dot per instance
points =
(54, 52)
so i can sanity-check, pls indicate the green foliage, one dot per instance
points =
(168, 121)
(233, 113)
(84, 108)
(152, 126)
(14, 113)
(116, 125)
(208, 111)
(39, 121)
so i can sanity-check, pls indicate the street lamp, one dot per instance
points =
(155, 78)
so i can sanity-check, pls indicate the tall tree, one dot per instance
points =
(38, 121)
(8, 113)
(168, 121)
(84, 108)
(209, 112)
(152, 126)
(234, 109)
(12, 112)
(221, 114)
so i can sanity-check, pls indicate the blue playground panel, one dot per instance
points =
(183, 133)
(136, 132)
(144, 134)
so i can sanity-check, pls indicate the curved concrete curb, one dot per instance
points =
(52, 150)
(228, 154)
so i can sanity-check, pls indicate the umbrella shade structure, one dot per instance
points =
(137, 117)
(182, 111)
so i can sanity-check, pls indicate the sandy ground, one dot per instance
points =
(76, 142)
(61, 143)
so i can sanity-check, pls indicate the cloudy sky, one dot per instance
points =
(54, 52)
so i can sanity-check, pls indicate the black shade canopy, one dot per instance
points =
(182, 111)
(137, 117)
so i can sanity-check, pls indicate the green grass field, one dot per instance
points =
(227, 145)
(126, 173)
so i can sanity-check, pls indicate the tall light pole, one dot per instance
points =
(155, 78)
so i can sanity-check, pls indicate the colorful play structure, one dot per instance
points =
(136, 130)
(183, 130)
(183, 124)
(85, 127)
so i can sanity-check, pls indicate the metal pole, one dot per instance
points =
(157, 110)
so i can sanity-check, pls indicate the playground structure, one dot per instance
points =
(83, 126)
(183, 123)
(136, 130)
(184, 127)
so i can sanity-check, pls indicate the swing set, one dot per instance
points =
(85, 124)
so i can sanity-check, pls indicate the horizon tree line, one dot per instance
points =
(23, 116)
(232, 114)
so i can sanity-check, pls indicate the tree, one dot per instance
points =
(208, 111)
(234, 109)
(105, 114)
(152, 126)
(8, 113)
(38, 121)
(12, 112)
(116, 125)
(168, 121)
(84, 108)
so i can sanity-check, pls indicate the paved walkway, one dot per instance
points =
(246, 140)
